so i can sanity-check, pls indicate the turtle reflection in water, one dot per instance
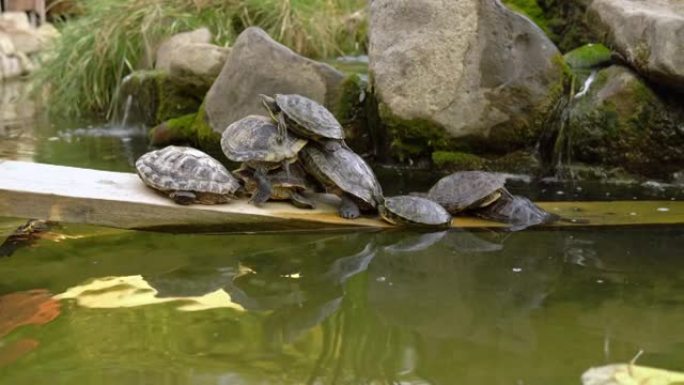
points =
(483, 194)
(187, 176)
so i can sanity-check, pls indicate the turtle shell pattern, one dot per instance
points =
(414, 210)
(281, 183)
(255, 139)
(462, 190)
(344, 170)
(177, 168)
(308, 115)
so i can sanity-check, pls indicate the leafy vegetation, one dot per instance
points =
(113, 37)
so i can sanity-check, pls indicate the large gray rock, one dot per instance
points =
(257, 65)
(648, 33)
(198, 63)
(168, 50)
(467, 68)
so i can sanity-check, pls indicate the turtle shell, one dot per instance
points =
(412, 210)
(177, 168)
(255, 139)
(466, 189)
(311, 119)
(517, 211)
(281, 182)
(343, 170)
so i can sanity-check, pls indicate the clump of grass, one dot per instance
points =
(114, 37)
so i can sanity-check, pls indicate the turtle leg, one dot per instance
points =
(348, 208)
(332, 145)
(300, 201)
(286, 167)
(263, 188)
(183, 197)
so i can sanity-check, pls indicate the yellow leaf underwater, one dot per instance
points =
(133, 290)
(629, 374)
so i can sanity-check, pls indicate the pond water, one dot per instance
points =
(94, 305)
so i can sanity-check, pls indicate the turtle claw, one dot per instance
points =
(348, 209)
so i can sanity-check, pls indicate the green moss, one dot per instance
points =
(174, 131)
(413, 138)
(350, 110)
(206, 138)
(531, 9)
(456, 161)
(588, 56)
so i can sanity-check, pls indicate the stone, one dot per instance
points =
(167, 50)
(27, 41)
(6, 45)
(455, 69)
(257, 64)
(648, 33)
(10, 67)
(15, 20)
(197, 63)
(622, 122)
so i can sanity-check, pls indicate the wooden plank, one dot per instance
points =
(120, 200)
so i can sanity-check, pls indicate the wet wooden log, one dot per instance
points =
(120, 200)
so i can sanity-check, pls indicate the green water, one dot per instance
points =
(534, 307)
(537, 307)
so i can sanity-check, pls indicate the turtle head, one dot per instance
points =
(269, 103)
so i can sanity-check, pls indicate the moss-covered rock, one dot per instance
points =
(588, 56)
(518, 162)
(350, 110)
(623, 122)
(457, 161)
(173, 131)
(158, 97)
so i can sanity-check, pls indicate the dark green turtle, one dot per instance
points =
(467, 190)
(187, 176)
(346, 175)
(518, 211)
(284, 186)
(305, 118)
(254, 141)
(414, 211)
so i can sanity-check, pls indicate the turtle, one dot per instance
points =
(305, 118)
(253, 140)
(414, 211)
(466, 190)
(187, 175)
(284, 185)
(516, 210)
(346, 175)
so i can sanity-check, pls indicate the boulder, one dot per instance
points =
(168, 50)
(198, 64)
(6, 45)
(16, 20)
(257, 65)
(648, 33)
(620, 121)
(459, 69)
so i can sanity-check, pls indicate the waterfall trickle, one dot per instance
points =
(587, 84)
(127, 111)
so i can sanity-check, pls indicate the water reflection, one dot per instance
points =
(439, 308)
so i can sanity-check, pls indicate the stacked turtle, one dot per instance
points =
(300, 141)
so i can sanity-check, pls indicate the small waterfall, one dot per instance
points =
(555, 143)
(127, 111)
(587, 84)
